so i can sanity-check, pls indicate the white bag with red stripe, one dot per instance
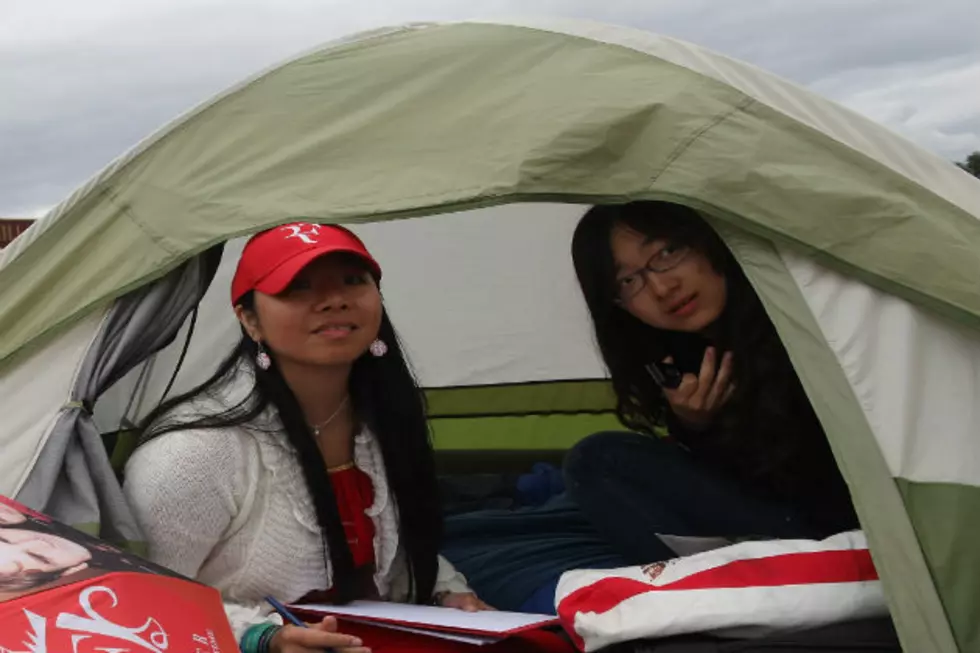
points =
(746, 590)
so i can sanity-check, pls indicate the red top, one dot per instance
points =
(355, 494)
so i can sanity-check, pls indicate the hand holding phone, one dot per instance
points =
(665, 374)
(695, 400)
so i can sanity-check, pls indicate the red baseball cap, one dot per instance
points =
(271, 259)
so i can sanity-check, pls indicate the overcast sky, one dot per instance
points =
(82, 81)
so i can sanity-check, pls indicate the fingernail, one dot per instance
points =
(355, 641)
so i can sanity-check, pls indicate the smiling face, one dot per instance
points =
(688, 297)
(328, 315)
(24, 552)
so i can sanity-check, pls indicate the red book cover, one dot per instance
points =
(62, 591)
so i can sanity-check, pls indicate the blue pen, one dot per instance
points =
(289, 616)
(284, 612)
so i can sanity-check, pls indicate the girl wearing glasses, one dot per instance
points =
(722, 443)
(692, 354)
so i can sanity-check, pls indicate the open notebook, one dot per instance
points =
(476, 628)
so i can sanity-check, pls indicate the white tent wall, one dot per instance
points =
(39, 386)
(487, 296)
(479, 298)
(916, 376)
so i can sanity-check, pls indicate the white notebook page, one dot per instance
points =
(489, 622)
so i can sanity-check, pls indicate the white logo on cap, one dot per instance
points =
(306, 232)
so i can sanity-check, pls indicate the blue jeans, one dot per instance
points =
(509, 555)
(623, 490)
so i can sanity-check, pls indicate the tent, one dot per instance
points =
(463, 153)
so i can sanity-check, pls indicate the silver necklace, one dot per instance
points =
(324, 424)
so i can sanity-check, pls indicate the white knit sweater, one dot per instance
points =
(229, 507)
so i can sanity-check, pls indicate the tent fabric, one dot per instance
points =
(907, 346)
(33, 393)
(590, 395)
(73, 480)
(803, 106)
(945, 521)
(460, 152)
(913, 598)
(917, 379)
(583, 120)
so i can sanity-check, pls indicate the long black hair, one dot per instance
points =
(386, 398)
(769, 423)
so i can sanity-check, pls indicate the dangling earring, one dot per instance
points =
(262, 358)
(378, 348)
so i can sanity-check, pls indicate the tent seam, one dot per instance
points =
(131, 216)
(693, 138)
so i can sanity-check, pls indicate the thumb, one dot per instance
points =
(669, 360)
(328, 625)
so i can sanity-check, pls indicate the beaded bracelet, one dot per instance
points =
(258, 637)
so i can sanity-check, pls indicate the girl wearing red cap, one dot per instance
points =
(302, 469)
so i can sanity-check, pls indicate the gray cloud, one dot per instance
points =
(809, 41)
(80, 83)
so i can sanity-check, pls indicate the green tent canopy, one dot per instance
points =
(464, 154)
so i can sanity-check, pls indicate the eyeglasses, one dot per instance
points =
(668, 258)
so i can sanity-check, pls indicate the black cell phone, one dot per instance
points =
(666, 375)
